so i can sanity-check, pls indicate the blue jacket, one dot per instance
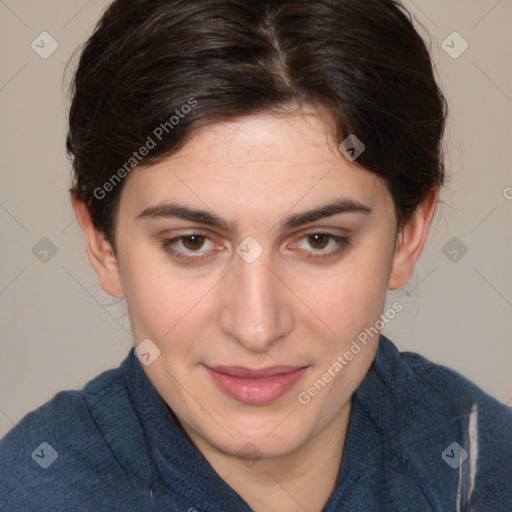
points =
(417, 433)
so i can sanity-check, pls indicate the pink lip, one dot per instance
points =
(256, 387)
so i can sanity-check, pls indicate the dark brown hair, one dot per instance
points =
(149, 62)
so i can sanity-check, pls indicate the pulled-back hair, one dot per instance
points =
(157, 70)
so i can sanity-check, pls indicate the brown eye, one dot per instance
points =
(191, 247)
(319, 240)
(320, 245)
(193, 242)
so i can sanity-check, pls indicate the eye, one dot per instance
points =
(318, 240)
(193, 242)
(325, 245)
(188, 247)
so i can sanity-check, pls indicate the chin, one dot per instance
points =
(268, 436)
(261, 447)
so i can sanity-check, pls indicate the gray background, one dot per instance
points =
(59, 329)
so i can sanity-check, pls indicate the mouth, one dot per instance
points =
(255, 387)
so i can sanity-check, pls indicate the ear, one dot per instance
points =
(99, 250)
(410, 241)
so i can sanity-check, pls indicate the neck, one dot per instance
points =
(301, 480)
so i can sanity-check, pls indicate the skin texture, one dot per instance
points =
(282, 309)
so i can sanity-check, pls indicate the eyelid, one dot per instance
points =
(330, 232)
(187, 233)
(324, 231)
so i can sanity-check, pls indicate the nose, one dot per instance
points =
(256, 310)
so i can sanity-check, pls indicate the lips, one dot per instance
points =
(255, 387)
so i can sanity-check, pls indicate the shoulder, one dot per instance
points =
(445, 393)
(419, 381)
(58, 455)
(448, 429)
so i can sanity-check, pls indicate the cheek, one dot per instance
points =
(349, 302)
(159, 302)
(350, 298)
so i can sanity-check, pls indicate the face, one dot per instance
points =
(252, 259)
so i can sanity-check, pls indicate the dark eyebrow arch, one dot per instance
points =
(174, 210)
(333, 208)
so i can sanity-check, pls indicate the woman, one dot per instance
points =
(253, 177)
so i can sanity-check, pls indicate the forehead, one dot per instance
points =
(297, 138)
(256, 160)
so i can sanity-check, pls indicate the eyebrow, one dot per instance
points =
(328, 210)
(174, 210)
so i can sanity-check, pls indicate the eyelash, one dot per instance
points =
(342, 242)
